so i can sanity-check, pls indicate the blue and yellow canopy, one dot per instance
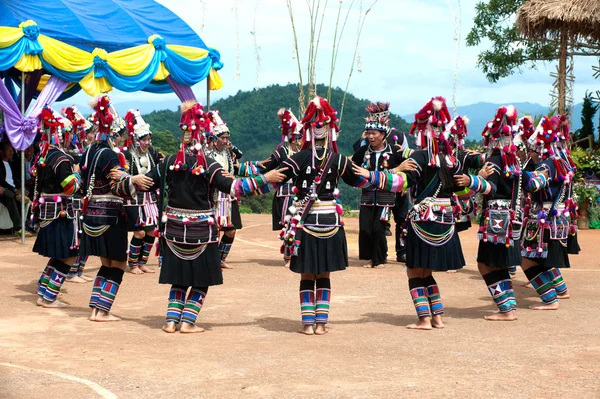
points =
(128, 45)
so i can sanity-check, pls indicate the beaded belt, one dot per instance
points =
(53, 206)
(188, 226)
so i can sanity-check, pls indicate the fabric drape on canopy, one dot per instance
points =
(137, 68)
(21, 130)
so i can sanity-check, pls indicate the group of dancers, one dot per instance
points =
(86, 204)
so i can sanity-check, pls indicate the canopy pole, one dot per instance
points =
(562, 73)
(208, 94)
(23, 214)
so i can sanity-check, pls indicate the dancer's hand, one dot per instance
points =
(487, 170)
(262, 163)
(142, 181)
(360, 171)
(227, 174)
(116, 174)
(462, 180)
(76, 168)
(276, 175)
(406, 166)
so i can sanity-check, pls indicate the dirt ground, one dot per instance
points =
(251, 347)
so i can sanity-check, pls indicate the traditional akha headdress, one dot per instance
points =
(499, 134)
(290, 126)
(320, 123)
(79, 125)
(194, 122)
(544, 139)
(379, 118)
(219, 126)
(429, 130)
(546, 142)
(50, 126)
(524, 132)
(103, 117)
(136, 127)
(458, 131)
(561, 126)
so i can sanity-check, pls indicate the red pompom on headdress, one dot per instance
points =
(290, 126)
(103, 118)
(320, 122)
(458, 132)
(129, 126)
(193, 122)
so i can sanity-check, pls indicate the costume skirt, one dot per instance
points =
(372, 242)
(106, 241)
(558, 252)
(573, 244)
(463, 225)
(421, 254)
(277, 210)
(203, 271)
(498, 255)
(56, 239)
(137, 218)
(236, 217)
(320, 255)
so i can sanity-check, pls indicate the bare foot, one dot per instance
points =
(39, 302)
(424, 323)
(564, 296)
(224, 265)
(526, 285)
(368, 265)
(146, 270)
(93, 315)
(102, 316)
(382, 266)
(307, 330)
(54, 304)
(452, 271)
(321, 329)
(86, 278)
(76, 279)
(287, 264)
(169, 327)
(551, 306)
(437, 321)
(502, 316)
(187, 328)
(136, 270)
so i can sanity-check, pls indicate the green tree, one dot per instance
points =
(588, 112)
(494, 21)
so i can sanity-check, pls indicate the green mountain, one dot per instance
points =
(252, 120)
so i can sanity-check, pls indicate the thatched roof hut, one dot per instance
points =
(578, 19)
(571, 23)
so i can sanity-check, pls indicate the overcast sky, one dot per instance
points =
(407, 51)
